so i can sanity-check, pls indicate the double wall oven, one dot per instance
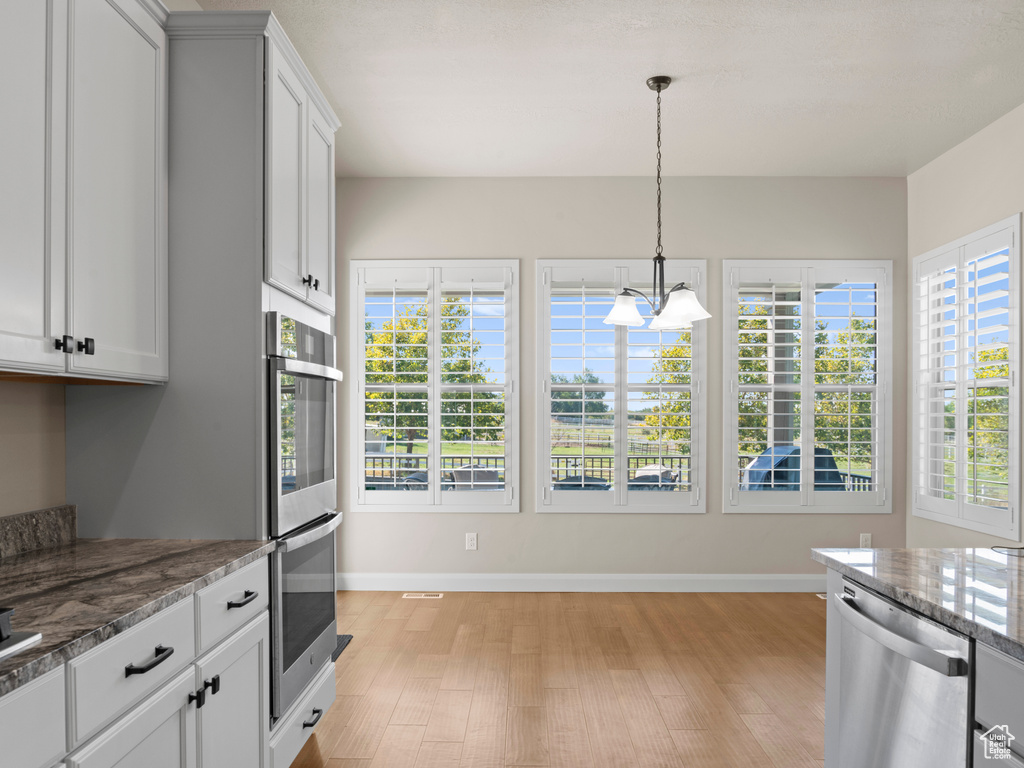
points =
(301, 390)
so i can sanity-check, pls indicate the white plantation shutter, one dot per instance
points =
(966, 423)
(437, 361)
(807, 414)
(620, 424)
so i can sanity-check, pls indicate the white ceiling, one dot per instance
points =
(557, 87)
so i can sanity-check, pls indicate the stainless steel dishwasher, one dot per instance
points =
(904, 686)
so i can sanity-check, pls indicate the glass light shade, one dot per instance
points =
(682, 307)
(663, 323)
(624, 312)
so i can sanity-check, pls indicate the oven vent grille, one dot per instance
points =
(424, 595)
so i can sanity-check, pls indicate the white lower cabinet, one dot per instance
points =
(159, 733)
(37, 709)
(297, 725)
(234, 717)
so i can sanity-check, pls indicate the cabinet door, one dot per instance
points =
(159, 733)
(286, 130)
(235, 720)
(31, 264)
(320, 209)
(117, 173)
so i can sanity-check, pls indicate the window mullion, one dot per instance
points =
(621, 431)
(807, 405)
(960, 420)
(434, 386)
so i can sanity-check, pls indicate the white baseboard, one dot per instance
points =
(582, 582)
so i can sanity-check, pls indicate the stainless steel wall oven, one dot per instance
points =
(303, 503)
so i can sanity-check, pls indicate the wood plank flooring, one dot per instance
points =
(488, 680)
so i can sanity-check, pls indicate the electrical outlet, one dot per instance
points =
(865, 541)
(471, 542)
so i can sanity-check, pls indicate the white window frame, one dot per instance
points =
(621, 500)
(959, 513)
(806, 500)
(434, 499)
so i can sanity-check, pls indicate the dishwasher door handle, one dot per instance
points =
(950, 666)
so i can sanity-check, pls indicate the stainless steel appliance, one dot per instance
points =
(904, 686)
(302, 423)
(303, 503)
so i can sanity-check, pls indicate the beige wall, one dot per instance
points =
(977, 183)
(31, 446)
(182, 5)
(528, 219)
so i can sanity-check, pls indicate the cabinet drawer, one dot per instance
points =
(32, 723)
(100, 684)
(220, 606)
(291, 733)
(999, 690)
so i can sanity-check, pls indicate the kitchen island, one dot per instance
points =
(932, 650)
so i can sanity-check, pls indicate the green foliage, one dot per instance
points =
(398, 354)
(565, 401)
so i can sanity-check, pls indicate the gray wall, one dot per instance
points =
(978, 182)
(534, 218)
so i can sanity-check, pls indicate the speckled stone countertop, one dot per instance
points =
(80, 594)
(979, 592)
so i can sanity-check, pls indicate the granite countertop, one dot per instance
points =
(979, 592)
(80, 594)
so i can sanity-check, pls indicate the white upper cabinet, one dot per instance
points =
(286, 129)
(245, 112)
(118, 285)
(300, 187)
(31, 263)
(83, 271)
(320, 206)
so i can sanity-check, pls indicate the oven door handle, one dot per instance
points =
(303, 368)
(950, 666)
(307, 537)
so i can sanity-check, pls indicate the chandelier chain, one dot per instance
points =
(657, 250)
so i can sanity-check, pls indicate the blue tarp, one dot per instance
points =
(778, 469)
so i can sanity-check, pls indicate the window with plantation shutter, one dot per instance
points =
(807, 361)
(436, 406)
(620, 422)
(966, 435)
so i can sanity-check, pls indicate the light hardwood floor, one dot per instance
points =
(486, 680)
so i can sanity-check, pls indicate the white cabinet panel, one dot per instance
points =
(227, 604)
(38, 709)
(159, 733)
(234, 719)
(99, 684)
(293, 730)
(31, 272)
(320, 208)
(117, 166)
(286, 115)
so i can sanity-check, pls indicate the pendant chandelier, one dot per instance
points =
(675, 308)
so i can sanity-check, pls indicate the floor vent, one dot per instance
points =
(822, 595)
(424, 595)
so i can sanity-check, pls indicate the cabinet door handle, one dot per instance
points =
(88, 346)
(316, 284)
(213, 684)
(250, 595)
(317, 714)
(308, 280)
(199, 697)
(65, 344)
(163, 653)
